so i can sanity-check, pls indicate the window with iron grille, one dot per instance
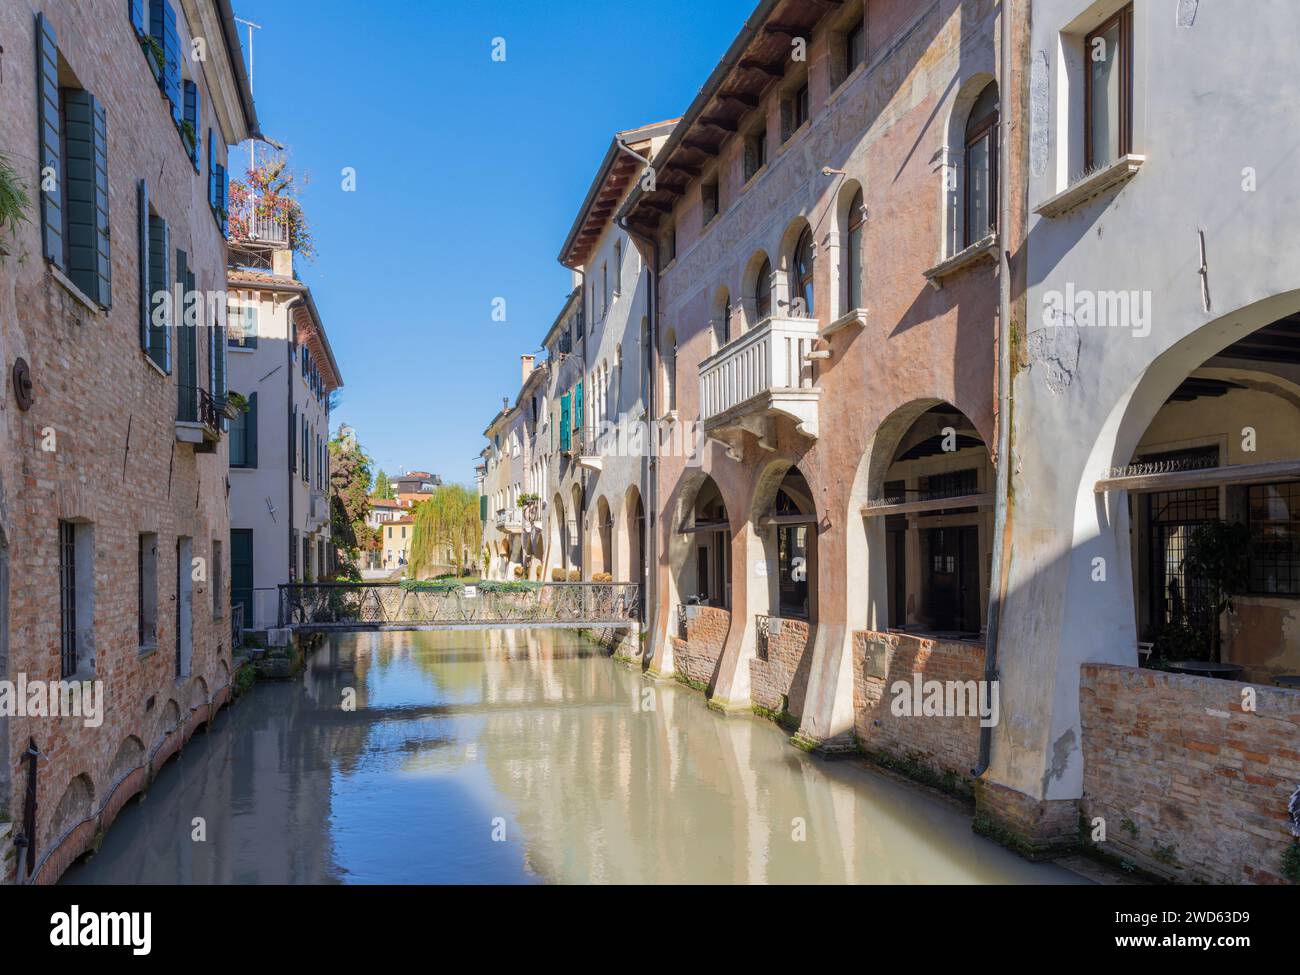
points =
(1273, 515)
(68, 598)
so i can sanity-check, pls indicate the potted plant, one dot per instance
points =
(1217, 557)
(13, 203)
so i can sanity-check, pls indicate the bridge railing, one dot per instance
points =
(381, 605)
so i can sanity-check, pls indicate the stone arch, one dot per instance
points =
(130, 756)
(75, 806)
(631, 546)
(198, 693)
(577, 540)
(1101, 527)
(223, 673)
(170, 718)
(777, 477)
(901, 444)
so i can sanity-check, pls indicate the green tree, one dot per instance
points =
(1218, 557)
(383, 486)
(350, 504)
(446, 527)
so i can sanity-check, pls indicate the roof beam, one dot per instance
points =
(753, 64)
(717, 122)
(739, 97)
(699, 146)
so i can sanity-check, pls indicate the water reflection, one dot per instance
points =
(515, 756)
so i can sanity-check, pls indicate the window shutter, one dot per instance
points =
(250, 432)
(212, 171)
(577, 407)
(79, 183)
(162, 25)
(193, 115)
(221, 199)
(186, 379)
(565, 423)
(293, 441)
(48, 147)
(103, 251)
(136, 9)
(142, 200)
(160, 336)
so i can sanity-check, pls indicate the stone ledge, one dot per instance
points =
(980, 252)
(1094, 184)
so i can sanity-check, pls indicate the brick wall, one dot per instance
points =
(946, 747)
(116, 463)
(784, 672)
(1191, 786)
(706, 635)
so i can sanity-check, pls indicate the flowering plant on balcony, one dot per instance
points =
(268, 193)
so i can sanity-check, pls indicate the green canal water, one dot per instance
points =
(521, 757)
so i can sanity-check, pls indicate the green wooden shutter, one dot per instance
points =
(193, 115)
(212, 170)
(187, 352)
(48, 146)
(221, 200)
(160, 335)
(577, 407)
(89, 257)
(250, 432)
(142, 201)
(565, 423)
(162, 25)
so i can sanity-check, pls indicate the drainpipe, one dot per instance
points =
(650, 465)
(997, 583)
(289, 471)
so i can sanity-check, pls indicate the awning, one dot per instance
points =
(1204, 477)
(931, 504)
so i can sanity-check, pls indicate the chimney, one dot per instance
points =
(525, 367)
(282, 263)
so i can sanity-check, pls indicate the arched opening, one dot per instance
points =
(800, 279)
(721, 318)
(576, 540)
(980, 166)
(794, 519)
(699, 560)
(1212, 491)
(854, 220)
(634, 517)
(929, 523)
(603, 539)
(763, 291)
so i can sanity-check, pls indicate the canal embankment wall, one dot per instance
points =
(1191, 776)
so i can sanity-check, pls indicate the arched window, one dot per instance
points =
(981, 165)
(763, 291)
(801, 287)
(726, 320)
(853, 254)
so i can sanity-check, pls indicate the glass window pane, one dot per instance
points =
(1103, 54)
(978, 179)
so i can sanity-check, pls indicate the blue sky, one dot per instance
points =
(469, 173)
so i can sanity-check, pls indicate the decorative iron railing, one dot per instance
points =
(377, 606)
(196, 405)
(236, 625)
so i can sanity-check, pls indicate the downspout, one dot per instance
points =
(289, 468)
(649, 464)
(1001, 519)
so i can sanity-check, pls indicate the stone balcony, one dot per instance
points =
(758, 379)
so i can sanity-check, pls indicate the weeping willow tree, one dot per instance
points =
(447, 529)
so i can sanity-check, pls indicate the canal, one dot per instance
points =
(521, 757)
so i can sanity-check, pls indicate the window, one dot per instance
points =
(147, 591)
(293, 441)
(755, 152)
(604, 288)
(709, 199)
(853, 254)
(241, 322)
(307, 574)
(243, 435)
(668, 250)
(855, 45)
(670, 371)
(241, 573)
(801, 286)
(618, 267)
(792, 561)
(1273, 514)
(159, 280)
(981, 167)
(800, 105)
(76, 597)
(763, 291)
(1108, 90)
(293, 558)
(218, 577)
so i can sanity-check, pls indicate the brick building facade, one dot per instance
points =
(113, 458)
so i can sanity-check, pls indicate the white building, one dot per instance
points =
(281, 362)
